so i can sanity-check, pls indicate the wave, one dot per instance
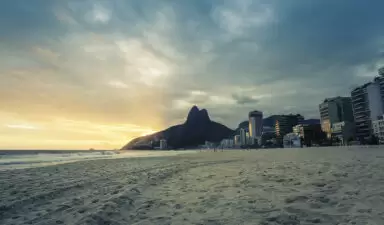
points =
(9, 158)
(21, 159)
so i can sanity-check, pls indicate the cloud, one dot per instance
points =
(238, 17)
(98, 14)
(21, 126)
(117, 84)
(241, 99)
(147, 62)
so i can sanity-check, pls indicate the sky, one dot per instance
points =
(94, 74)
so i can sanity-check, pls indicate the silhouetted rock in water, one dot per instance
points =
(195, 131)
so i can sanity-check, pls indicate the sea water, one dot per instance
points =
(19, 159)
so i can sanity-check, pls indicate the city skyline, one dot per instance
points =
(82, 74)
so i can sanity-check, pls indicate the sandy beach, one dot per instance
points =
(281, 186)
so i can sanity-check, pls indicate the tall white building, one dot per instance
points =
(227, 143)
(378, 129)
(243, 137)
(163, 144)
(237, 140)
(367, 102)
(374, 98)
(291, 140)
(250, 140)
(335, 110)
(381, 71)
(344, 131)
(255, 126)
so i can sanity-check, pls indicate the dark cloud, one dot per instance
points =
(295, 52)
(242, 99)
(310, 40)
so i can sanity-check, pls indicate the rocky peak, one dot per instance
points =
(197, 116)
(195, 131)
(204, 115)
(193, 114)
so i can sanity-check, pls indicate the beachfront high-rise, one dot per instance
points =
(381, 71)
(255, 126)
(378, 129)
(243, 137)
(163, 144)
(237, 140)
(335, 110)
(379, 80)
(285, 123)
(368, 105)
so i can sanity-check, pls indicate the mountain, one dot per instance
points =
(197, 129)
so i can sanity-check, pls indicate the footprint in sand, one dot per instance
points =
(81, 211)
(282, 219)
(178, 206)
(314, 220)
(319, 184)
(201, 211)
(299, 198)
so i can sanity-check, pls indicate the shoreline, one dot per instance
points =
(23, 160)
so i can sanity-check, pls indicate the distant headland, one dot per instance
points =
(195, 131)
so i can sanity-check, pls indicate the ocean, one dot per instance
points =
(20, 159)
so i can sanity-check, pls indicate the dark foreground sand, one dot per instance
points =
(286, 186)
